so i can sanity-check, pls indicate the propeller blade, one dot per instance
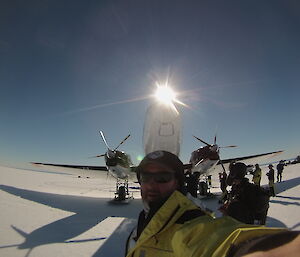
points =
(122, 141)
(96, 156)
(103, 138)
(202, 141)
(215, 139)
(228, 146)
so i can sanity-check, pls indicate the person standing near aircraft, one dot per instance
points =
(257, 175)
(209, 182)
(280, 167)
(223, 178)
(192, 183)
(246, 202)
(223, 186)
(171, 224)
(270, 176)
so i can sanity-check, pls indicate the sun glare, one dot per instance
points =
(165, 95)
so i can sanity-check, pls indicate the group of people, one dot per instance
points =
(194, 184)
(270, 174)
(246, 202)
(173, 224)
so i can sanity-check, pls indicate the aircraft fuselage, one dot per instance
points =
(118, 171)
(162, 129)
(118, 164)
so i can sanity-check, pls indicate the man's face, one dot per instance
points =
(159, 182)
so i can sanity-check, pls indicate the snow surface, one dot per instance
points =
(59, 214)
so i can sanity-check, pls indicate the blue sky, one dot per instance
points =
(71, 68)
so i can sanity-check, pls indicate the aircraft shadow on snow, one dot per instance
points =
(88, 211)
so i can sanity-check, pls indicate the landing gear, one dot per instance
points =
(122, 192)
(205, 186)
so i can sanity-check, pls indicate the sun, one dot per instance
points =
(165, 95)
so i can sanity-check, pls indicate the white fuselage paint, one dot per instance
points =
(205, 166)
(118, 171)
(162, 129)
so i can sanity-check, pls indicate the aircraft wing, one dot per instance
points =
(84, 167)
(252, 158)
(248, 160)
(79, 170)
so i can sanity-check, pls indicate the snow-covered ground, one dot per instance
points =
(59, 214)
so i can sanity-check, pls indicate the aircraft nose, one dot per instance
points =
(214, 148)
(110, 154)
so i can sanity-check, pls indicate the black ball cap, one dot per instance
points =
(237, 171)
(165, 159)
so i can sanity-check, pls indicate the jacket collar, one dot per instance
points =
(167, 215)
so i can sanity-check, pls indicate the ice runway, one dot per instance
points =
(59, 214)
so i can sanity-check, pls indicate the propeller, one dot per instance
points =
(228, 146)
(215, 144)
(96, 156)
(215, 141)
(103, 138)
(122, 141)
(202, 141)
(110, 153)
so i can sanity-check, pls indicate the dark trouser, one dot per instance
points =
(271, 187)
(262, 217)
(279, 176)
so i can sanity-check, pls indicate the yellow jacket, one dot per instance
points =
(257, 176)
(171, 232)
